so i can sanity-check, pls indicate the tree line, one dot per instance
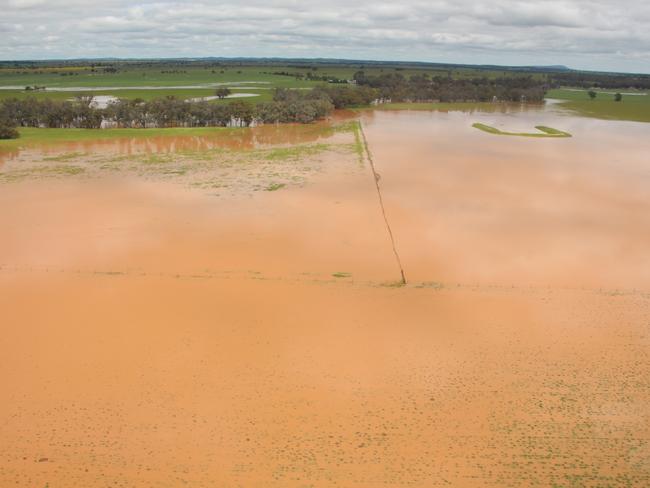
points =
(287, 106)
(424, 88)
(299, 106)
(601, 80)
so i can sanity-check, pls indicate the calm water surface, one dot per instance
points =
(153, 335)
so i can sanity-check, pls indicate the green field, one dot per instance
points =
(151, 74)
(633, 107)
(182, 83)
(155, 76)
(188, 81)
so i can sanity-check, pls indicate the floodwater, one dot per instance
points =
(232, 95)
(140, 87)
(479, 208)
(258, 137)
(158, 335)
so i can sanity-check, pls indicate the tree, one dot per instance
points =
(8, 130)
(592, 94)
(242, 112)
(618, 97)
(222, 92)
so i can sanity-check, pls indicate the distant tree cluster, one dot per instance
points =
(348, 96)
(327, 78)
(295, 106)
(425, 88)
(30, 112)
(309, 76)
(222, 92)
(600, 80)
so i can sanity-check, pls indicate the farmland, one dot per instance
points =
(394, 294)
(634, 106)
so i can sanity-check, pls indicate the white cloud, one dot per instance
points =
(589, 34)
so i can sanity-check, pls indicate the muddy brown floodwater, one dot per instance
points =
(159, 333)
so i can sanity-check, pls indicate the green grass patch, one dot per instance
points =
(392, 284)
(30, 136)
(40, 172)
(155, 158)
(294, 152)
(342, 274)
(275, 187)
(62, 158)
(358, 147)
(544, 131)
(435, 285)
(153, 76)
(635, 108)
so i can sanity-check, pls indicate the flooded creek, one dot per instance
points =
(160, 333)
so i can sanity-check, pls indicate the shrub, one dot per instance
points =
(8, 131)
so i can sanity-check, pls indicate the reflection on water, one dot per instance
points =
(240, 139)
(230, 139)
(474, 207)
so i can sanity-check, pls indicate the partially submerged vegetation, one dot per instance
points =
(225, 170)
(544, 131)
(287, 106)
(218, 161)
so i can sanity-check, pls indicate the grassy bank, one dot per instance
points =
(30, 136)
(33, 137)
(634, 108)
(544, 131)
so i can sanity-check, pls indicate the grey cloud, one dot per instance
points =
(589, 34)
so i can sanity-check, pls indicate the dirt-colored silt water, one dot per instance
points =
(159, 333)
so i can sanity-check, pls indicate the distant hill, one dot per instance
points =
(552, 67)
(301, 62)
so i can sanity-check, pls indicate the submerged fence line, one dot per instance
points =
(375, 176)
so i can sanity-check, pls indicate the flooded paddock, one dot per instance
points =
(481, 208)
(158, 332)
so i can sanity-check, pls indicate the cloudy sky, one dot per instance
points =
(584, 34)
